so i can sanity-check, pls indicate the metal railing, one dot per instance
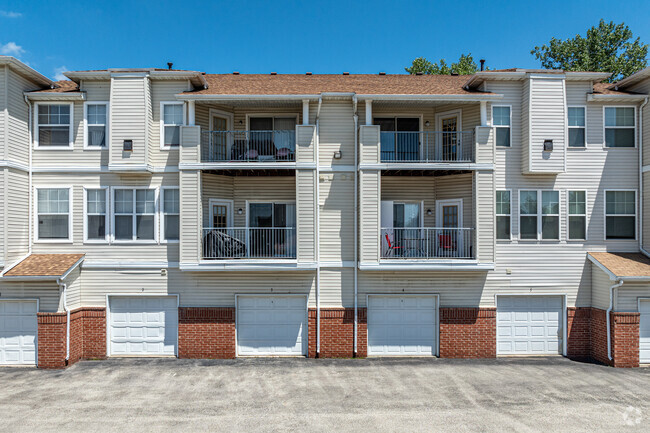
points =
(427, 243)
(249, 243)
(430, 146)
(248, 146)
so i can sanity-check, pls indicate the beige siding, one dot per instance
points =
(3, 216)
(627, 298)
(162, 91)
(337, 287)
(305, 140)
(129, 119)
(521, 129)
(4, 115)
(547, 121)
(336, 216)
(17, 210)
(369, 186)
(217, 187)
(484, 203)
(47, 293)
(600, 285)
(485, 148)
(369, 144)
(305, 193)
(646, 210)
(336, 129)
(18, 121)
(190, 219)
(73, 288)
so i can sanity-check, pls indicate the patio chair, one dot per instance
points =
(391, 246)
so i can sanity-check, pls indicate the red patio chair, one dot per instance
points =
(391, 247)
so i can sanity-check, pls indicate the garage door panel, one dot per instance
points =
(18, 332)
(644, 331)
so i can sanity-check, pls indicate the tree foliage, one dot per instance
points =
(607, 47)
(465, 66)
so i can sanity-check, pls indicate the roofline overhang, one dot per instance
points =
(634, 78)
(479, 77)
(612, 276)
(77, 76)
(453, 98)
(210, 97)
(26, 70)
(361, 97)
(594, 97)
(61, 277)
(56, 96)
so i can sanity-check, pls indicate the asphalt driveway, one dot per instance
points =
(513, 394)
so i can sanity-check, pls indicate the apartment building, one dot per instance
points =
(163, 212)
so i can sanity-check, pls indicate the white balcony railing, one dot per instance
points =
(248, 146)
(427, 243)
(249, 243)
(430, 146)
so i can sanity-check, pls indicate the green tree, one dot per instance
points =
(465, 66)
(607, 47)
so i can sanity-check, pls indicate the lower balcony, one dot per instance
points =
(255, 243)
(424, 243)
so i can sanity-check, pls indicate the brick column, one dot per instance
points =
(579, 333)
(206, 333)
(337, 333)
(51, 340)
(468, 333)
(94, 333)
(625, 339)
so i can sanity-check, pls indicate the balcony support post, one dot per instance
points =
(305, 111)
(369, 112)
(191, 113)
(484, 121)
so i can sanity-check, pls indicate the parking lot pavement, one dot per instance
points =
(506, 394)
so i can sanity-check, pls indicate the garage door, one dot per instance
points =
(402, 325)
(18, 330)
(529, 325)
(271, 325)
(644, 331)
(143, 326)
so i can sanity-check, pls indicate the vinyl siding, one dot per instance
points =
(336, 129)
(47, 293)
(600, 284)
(305, 140)
(162, 90)
(547, 121)
(484, 203)
(3, 216)
(305, 192)
(627, 298)
(190, 219)
(18, 121)
(369, 186)
(369, 144)
(646, 210)
(17, 210)
(336, 216)
(73, 287)
(337, 287)
(129, 119)
(4, 115)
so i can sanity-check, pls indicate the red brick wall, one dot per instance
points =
(337, 333)
(206, 333)
(468, 333)
(51, 340)
(579, 333)
(599, 335)
(94, 333)
(625, 339)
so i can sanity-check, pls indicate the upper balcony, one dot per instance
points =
(427, 146)
(248, 146)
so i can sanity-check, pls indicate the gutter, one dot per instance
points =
(30, 172)
(356, 223)
(618, 284)
(317, 217)
(64, 293)
(641, 177)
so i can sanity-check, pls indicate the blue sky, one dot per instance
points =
(294, 36)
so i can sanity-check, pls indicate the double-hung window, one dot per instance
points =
(620, 214)
(501, 119)
(54, 125)
(576, 126)
(171, 213)
(134, 217)
(539, 215)
(620, 126)
(95, 120)
(503, 214)
(53, 214)
(96, 214)
(172, 117)
(577, 215)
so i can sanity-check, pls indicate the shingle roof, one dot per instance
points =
(63, 86)
(624, 264)
(44, 265)
(608, 89)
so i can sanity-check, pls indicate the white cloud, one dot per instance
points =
(11, 49)
(9, 14)
(58, 73)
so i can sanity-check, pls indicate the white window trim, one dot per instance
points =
(71, 126)
(230, 118)
(540, 215)
(569, 215)
(620, 127)
(162, 122)
(439, 205)
(502, 126)
(502, 214)
(458, 113)
(584, 128)
(249, 202)
(636, 215)
(272, 115)
(106, 220)
(156, 212)
(164, 240)
(86, 125)
(37, 239)
(229, 218)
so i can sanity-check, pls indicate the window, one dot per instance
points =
(96, 215)
(172, 117)
(501, 121)
(619, 126)
(577, 215)
(95, 116)
(53, 127)
(576, 126)
(135, 214)
(620, 214)
(171, 214)
(539, 215)
(503, 214)
(53, 213)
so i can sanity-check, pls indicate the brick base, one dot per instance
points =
(206, 333)
(337, 333)
(579, 333)
(625, 339)
(468, 333)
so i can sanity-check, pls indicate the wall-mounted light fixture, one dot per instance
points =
(240, 211)
(548, 145)
(429, 212)
(337, 154)
(127, 146)
(427, 123)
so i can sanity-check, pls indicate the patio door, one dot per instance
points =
(449, 216)
(400, 138)
(220, 142)
(402, 223)
(449, 125)
(272, 229)
(220, 214)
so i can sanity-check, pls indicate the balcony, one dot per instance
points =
(248, 146)
(249, 243)
(424, 243)
(427, 147)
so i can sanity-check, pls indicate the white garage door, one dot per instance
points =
(644, 331)
(18, 330)
(143, 325)
(529, 325)
(271, 325)
(402, 325)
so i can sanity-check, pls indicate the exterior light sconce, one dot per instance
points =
(127, 146)
(427, 123)
(548, 145)
(240, 211)
(429, 212)
(337, 154)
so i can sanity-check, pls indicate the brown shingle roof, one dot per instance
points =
(62, 87)
(44, 265)
(296, 84)
(624, 264)
(608, 89)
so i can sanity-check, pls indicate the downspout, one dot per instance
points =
(618, 284)
(64, 294)
(356, 221)
(29, 175)
(645, 102)
(317, 217)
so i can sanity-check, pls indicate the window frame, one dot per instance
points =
(569, 215)
(273, 116)
(37, 239)
(86, 125)
(163, 239)
(273, 202)
(156, 212)
(502, 126)
(106, 217)
(37, 126)
(163, 124)
(605, 107)
(496, 215)
(540, 215)
(584, 128)
(636, 215)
